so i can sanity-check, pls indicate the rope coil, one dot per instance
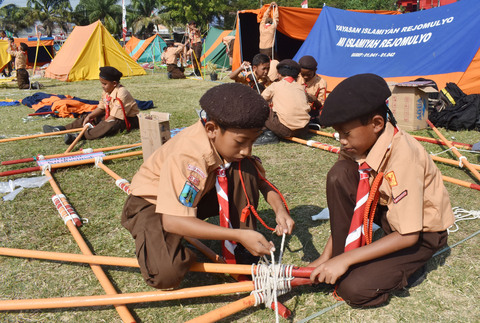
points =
(46, 166)
(98, 160)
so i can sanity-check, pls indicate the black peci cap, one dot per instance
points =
(354, 97)
(308, 62)
(110, 73)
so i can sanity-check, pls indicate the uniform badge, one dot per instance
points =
(391, 179)
(400, 197)
(188, 194)
(194, 179)
(196, 170)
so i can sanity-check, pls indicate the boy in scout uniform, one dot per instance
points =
(413, 209)
(267, 29)
(170, 57)
(177, 188)
(260, 67)
(289, 108)
(116, 111)
(315, 86)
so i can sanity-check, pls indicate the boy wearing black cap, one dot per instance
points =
(116, 111)
(183, 182)
(315, 86)
(407, 199)
(170, 57)
(289, 108)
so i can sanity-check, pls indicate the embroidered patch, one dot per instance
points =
(194, 179)
(188, 194)
(196, 170)
(400, 197)
(391, 179)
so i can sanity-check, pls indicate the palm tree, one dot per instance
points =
(13, 18)
(143, 17)
(107, 11)
(51, 13)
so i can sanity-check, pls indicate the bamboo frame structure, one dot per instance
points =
(77, 139)
(460, 145)
(445, 178)
(69, 164)
(41, 135)
(97, 270)
(74, 153)
(455, 150)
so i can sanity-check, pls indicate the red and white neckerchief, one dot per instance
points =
(356, 235)
(289, 79)
(221, 185)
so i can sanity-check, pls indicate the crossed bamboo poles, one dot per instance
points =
(473, 168)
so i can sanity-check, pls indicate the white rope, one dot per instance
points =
(46, 166)
(460, 163)
(254, 79)
(271, 280)
(462, 215)
(98, 160)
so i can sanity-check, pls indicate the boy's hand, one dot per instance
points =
(285, 223)
(329, 271)
(256, 243)
(246, 65)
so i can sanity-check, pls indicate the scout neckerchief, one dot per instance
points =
(356, 235)
(108, 99)
(221, 185)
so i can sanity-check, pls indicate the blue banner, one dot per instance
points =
(435, 41)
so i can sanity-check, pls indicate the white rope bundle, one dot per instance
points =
(462, 215)
(271, 280)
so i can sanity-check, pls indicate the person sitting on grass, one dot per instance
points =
(258, 80)
(185, 180)
(116, 111)
(289, 108)
(315, 86)
(413, 208)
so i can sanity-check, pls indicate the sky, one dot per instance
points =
(23, 3)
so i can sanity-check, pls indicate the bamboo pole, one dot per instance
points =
(41, 135)
(127, 298)
(315, 144)
(74, 153)
(450, 161)
(460, 145)
(455, 150)
(97, 270)
(77, 139)
(445, 178)
(69, 164)
(225, 311)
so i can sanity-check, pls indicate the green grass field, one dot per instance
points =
(450, 293)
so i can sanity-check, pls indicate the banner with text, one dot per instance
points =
(434, 41)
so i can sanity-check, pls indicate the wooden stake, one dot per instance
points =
(77, 139)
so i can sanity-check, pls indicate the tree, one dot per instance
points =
(107, 11)
(51, 13)
(13, 18)
(201, 11)
(141, 14)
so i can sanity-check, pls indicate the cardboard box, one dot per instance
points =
(409, 104)
(154, 131)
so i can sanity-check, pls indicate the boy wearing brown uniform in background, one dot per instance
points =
(170, 57)
(267, 29)
(195, 41)
(258, 80)
(20, 55)
(315, 86)
(175, 189)
(413, 209)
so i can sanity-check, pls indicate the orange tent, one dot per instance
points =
(45, 44)
(293, 28)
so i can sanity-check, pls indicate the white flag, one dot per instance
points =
(305, 4)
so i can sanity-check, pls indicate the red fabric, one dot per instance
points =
(356, 235)
(107, 106)
(221, 185)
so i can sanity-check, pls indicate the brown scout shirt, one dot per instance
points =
(267, 33)
(316, 87)
(179, 173)
(120, 92)
(289, 102)
(194, 35)
(20, 58)
(171, 54)
(412, 186)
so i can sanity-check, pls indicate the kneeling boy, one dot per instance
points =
(413, 209)
(205, 165)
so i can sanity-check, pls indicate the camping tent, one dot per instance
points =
(146, 51)
(86, 50)
(441, 44)
(293, 28)
(214, 49)
(45, 49)
(4, 57)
